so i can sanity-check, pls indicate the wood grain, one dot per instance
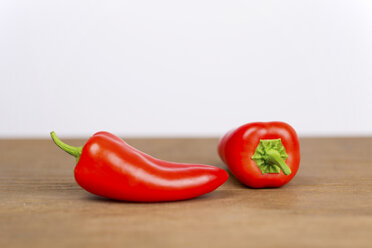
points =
(328, 204)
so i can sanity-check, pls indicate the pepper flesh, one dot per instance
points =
(255, 166)
(109, 167)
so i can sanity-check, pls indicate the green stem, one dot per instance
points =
(74, 151)
(274, 157)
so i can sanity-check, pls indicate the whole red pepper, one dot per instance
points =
(109, 167)
(261, 154)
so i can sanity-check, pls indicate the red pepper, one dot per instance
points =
(261, 155)
(109, 167)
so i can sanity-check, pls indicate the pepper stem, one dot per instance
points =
(74, 151)
(274, 157)
(270, 156)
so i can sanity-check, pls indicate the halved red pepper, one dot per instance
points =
(261, 154)
(109, 167)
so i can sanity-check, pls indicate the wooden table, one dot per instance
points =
(328, 204)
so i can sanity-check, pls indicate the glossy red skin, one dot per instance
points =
(238, 146)
(111, 168)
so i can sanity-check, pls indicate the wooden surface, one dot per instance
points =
(328, 203)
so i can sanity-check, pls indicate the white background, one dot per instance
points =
(184, 68)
